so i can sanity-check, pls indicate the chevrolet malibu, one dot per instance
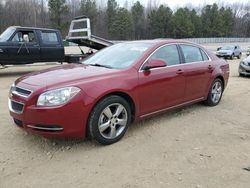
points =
(117, 86)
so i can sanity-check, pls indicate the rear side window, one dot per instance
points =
(49, 37)
(168, 53)
(191, 53)
(204, 56)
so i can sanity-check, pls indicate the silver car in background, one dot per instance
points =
(244, 67)
(229, 52)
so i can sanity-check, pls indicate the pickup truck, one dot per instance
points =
(25, 45)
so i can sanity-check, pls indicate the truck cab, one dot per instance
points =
(24, 45)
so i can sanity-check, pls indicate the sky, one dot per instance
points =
(179, 3)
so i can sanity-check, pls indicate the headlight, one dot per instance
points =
(244, 63)
(57, 96)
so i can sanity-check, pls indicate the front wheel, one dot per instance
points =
(239, 56)
(109, 120)
(215, 93)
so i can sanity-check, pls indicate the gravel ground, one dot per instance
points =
(196, 146)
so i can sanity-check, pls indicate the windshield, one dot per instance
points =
(119, 56)
(227, 48)
(7, 34)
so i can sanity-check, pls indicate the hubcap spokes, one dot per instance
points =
(112, 121)
(216, 92)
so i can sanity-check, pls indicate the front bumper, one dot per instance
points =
(223, 55)
(66, 121)
(245, 70)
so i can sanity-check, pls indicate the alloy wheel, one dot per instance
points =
(113, 121)
(216, 92)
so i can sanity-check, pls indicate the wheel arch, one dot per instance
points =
(222, 79)
(122, 94)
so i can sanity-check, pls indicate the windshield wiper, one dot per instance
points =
(100, 65)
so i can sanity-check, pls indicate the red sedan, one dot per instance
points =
(113, 88)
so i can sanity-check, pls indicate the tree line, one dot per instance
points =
(134, 22)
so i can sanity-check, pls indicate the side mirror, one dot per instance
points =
(154, 63)
(218, 48)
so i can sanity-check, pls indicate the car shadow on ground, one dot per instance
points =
(57, 145)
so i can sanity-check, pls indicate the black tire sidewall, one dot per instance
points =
(95, 114)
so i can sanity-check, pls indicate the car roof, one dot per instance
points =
(33, 28)
(156, 42)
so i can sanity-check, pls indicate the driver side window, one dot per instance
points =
(24, 36)
(18, 37)
(168, 53)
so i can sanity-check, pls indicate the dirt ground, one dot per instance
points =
(196, 146)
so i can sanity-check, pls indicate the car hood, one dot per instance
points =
(66, 74)
(247, 59)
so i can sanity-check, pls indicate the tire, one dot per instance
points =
(239, 56)
(114, 114)
(241, 75)
(232, 56)
(215, 93)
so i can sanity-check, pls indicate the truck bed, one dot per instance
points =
(93, 41)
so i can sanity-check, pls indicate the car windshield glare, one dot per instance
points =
(119, 56)
(6, 34)
(227, 48)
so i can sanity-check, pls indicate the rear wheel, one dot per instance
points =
(232, 56)
(109, 120)
(215, 93)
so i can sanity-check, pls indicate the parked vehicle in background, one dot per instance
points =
(244, 67)
(25, 45)
(116, 86)
(248, 51)
(229, 52)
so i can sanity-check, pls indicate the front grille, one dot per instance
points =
(20, 91)
(17, 107)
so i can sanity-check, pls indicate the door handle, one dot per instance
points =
(180, 71)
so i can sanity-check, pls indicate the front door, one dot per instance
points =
(161, 88)
(24, 47)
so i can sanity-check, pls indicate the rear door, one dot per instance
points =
(52, 48)
(237, 50)
(197, 71)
